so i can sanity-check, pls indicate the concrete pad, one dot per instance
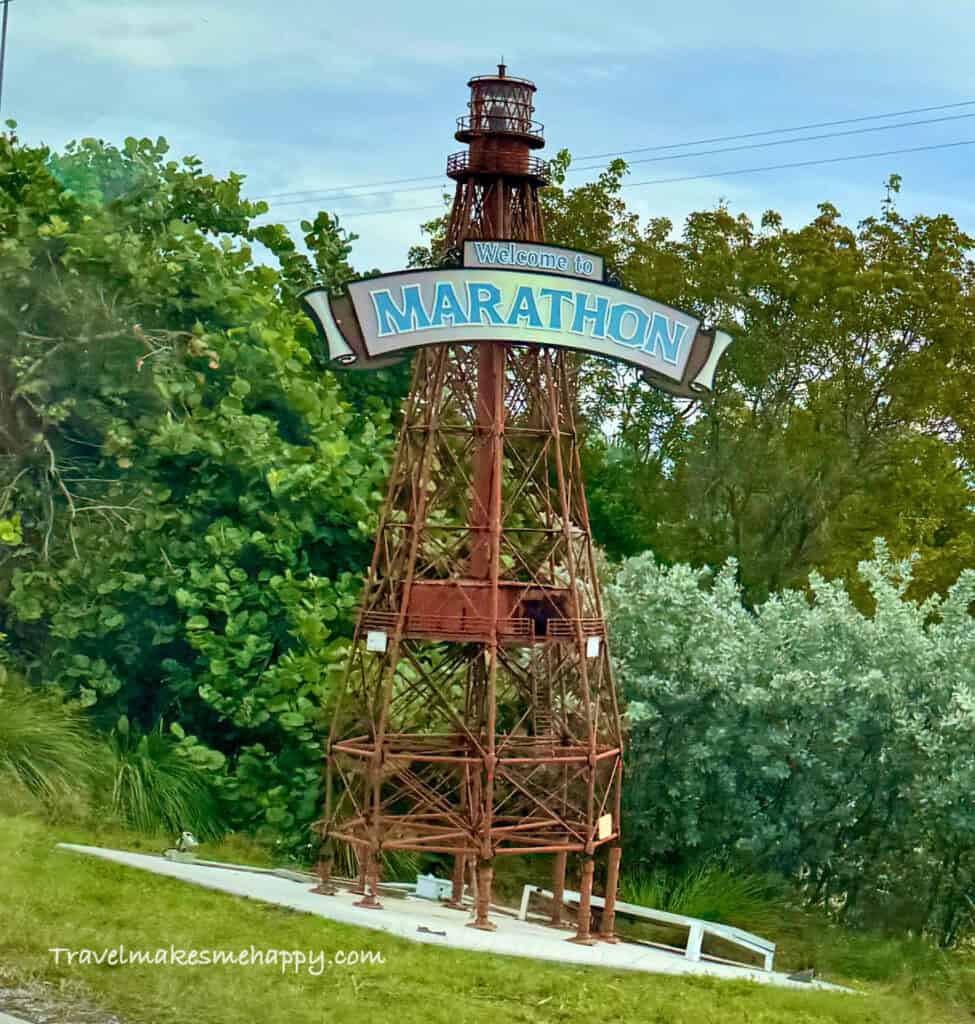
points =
(406, 917)
(7, 1019)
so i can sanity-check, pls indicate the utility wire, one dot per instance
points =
(801, 163)
(645, 149)
(678, 156)
(779, 131)
(712, 174)
(360, 213)
(312, 192)
(802, 138)
(369, 195)
(3, 44)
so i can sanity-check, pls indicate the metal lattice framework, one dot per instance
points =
(479, 715)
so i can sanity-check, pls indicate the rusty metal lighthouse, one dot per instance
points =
(497, 177)
(479, 717)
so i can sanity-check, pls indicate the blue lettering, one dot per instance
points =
(556, 297)
(584, 312)
(393, 319)
(446, 307)
(617, 324)
(486, 252)
(483, 298)
(661, 341)
(524, 308)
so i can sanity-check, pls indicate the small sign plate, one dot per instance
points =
(551, 259)
(376, 641)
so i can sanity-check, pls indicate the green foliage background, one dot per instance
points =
(192, 495)
(842, 412)
(187, 498)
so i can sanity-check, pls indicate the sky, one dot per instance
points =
(311, 96)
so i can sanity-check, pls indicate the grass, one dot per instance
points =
(51, 756)
(46, 747)
(711, 892)
(156, 788)
(55, 898)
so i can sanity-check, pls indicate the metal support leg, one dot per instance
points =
(485, 875)
(695, 939)
(456, 901)
(526, 895)
(607, 924)
(324, 871)
(582, 935)
(373, 871)
(558, 888)
(359, 887)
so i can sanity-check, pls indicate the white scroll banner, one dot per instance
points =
(384, 317)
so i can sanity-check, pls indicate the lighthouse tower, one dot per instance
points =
(478, 717)
(497, 177)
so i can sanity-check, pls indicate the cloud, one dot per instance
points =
(351, 38)
(302, 95)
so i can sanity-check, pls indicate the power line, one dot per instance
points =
(802, 138)
(779, 131)
(698, 177)
(368, 195)
(800, 163)
(3, 44)
(360, 213)
(645, 149)
(313, 192)
(680, 156)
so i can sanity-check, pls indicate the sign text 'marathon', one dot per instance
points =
(428, 307)
(384, 317)
(474, 302)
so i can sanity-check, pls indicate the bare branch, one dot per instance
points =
(53, 472)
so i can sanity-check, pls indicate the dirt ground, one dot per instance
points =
(42, 1003)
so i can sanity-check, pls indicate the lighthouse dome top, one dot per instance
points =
(501, 105)
(502, 76)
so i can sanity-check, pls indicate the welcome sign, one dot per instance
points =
(533, 256)
(385, 317)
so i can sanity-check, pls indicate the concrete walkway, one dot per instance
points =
(421, 920)
(7, 1019)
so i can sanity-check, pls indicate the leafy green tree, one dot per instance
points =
(842, 410)
(194, 494)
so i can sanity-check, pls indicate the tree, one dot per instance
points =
(842, 410)
(194, 493)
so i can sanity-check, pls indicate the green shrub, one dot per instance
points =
(828, 745)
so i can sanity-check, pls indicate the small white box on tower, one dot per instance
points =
(376, 640)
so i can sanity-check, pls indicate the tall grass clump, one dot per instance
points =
(713, 892)
(47, 747)
(398, 865)
(156, 788)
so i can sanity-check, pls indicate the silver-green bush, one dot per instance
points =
(829, 745)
